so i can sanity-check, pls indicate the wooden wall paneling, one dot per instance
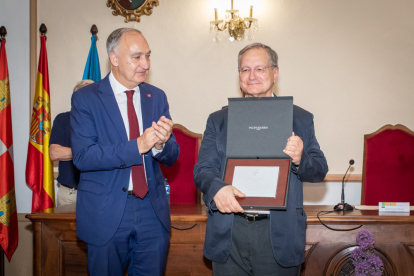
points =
(37, 248)
(74, 258)
(410, 249)
(185, 253)
(51, 257)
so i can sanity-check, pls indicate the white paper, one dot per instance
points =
(256, 181)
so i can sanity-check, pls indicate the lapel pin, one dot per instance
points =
(149, 95)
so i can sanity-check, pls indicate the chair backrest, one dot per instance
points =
(180, 175)
(388, 173)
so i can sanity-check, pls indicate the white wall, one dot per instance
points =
(15, 16)
(329, 193)
(350, 62)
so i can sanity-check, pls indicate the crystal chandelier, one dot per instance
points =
(234, 24)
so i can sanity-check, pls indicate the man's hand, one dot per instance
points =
(226, 202)
(163, 129)
(147, 140)
(60, 153)
(294, 148)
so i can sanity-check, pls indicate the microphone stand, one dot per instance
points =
(344, 206)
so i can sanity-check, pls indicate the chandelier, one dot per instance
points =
(234, 24)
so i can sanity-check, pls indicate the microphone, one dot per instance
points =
(344, 206)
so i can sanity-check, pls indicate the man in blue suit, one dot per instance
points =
(121, 130)
(260, 242)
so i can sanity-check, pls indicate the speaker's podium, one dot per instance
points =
(58, 252)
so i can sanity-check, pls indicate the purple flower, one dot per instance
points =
(357, 256)
(365, 240)
(375, 261)
(362, 269)
(363, 258)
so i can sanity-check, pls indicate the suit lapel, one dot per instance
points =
(109, 102)
(146, 106)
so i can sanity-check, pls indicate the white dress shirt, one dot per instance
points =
(121, 99)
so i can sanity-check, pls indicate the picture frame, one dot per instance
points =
(132, 10)
(273, 202)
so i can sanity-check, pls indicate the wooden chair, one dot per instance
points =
(388, 172)
(180, 175)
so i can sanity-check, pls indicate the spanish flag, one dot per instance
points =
(8, 215)
(39, 167)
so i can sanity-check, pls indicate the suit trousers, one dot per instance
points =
(251, 252)
(141, 241)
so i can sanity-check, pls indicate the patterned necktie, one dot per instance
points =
(139, 181)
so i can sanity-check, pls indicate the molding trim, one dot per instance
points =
(34, 33)
(339, 177)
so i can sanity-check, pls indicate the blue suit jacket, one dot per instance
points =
(103, 154)
(287, 228)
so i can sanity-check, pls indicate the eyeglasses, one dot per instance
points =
(245, 71)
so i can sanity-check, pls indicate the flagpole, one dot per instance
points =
(3, 33)
(39, 167)
(1, 261)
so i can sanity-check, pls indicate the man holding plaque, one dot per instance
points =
(260, 242)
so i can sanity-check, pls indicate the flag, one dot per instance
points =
(39, 167)
(92, 68)
(8, 215)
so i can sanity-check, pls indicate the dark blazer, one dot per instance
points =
(103, 154)
(287, 228)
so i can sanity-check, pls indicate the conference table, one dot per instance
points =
(58, 251)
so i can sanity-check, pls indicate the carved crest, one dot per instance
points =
(132, 10)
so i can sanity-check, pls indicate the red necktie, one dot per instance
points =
(139, 181)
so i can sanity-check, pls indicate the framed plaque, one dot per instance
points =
(257, 133)
(259, 174)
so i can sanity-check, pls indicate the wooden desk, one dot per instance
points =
(58, 252)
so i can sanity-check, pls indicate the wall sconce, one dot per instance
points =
(234, 24)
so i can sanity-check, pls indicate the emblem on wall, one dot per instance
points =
(132, 10)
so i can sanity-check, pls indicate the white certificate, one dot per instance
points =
(256, 181)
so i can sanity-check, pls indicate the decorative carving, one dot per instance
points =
(3, 32)
(308, 252)
(347, 269)
(410, 249)
(43, 29)
(132, 14)
(94, 31)
(340, 264)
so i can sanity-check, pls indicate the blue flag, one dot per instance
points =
(92, 68)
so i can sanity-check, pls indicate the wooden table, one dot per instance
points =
(58, 252)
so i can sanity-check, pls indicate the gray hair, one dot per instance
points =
(81, 84)
(113, 39)
(270, 52)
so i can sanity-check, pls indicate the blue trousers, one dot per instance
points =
(140, 241)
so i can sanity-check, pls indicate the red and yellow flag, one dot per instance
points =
(39, 167)
(8, 215)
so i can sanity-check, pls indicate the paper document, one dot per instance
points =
(256, 181)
